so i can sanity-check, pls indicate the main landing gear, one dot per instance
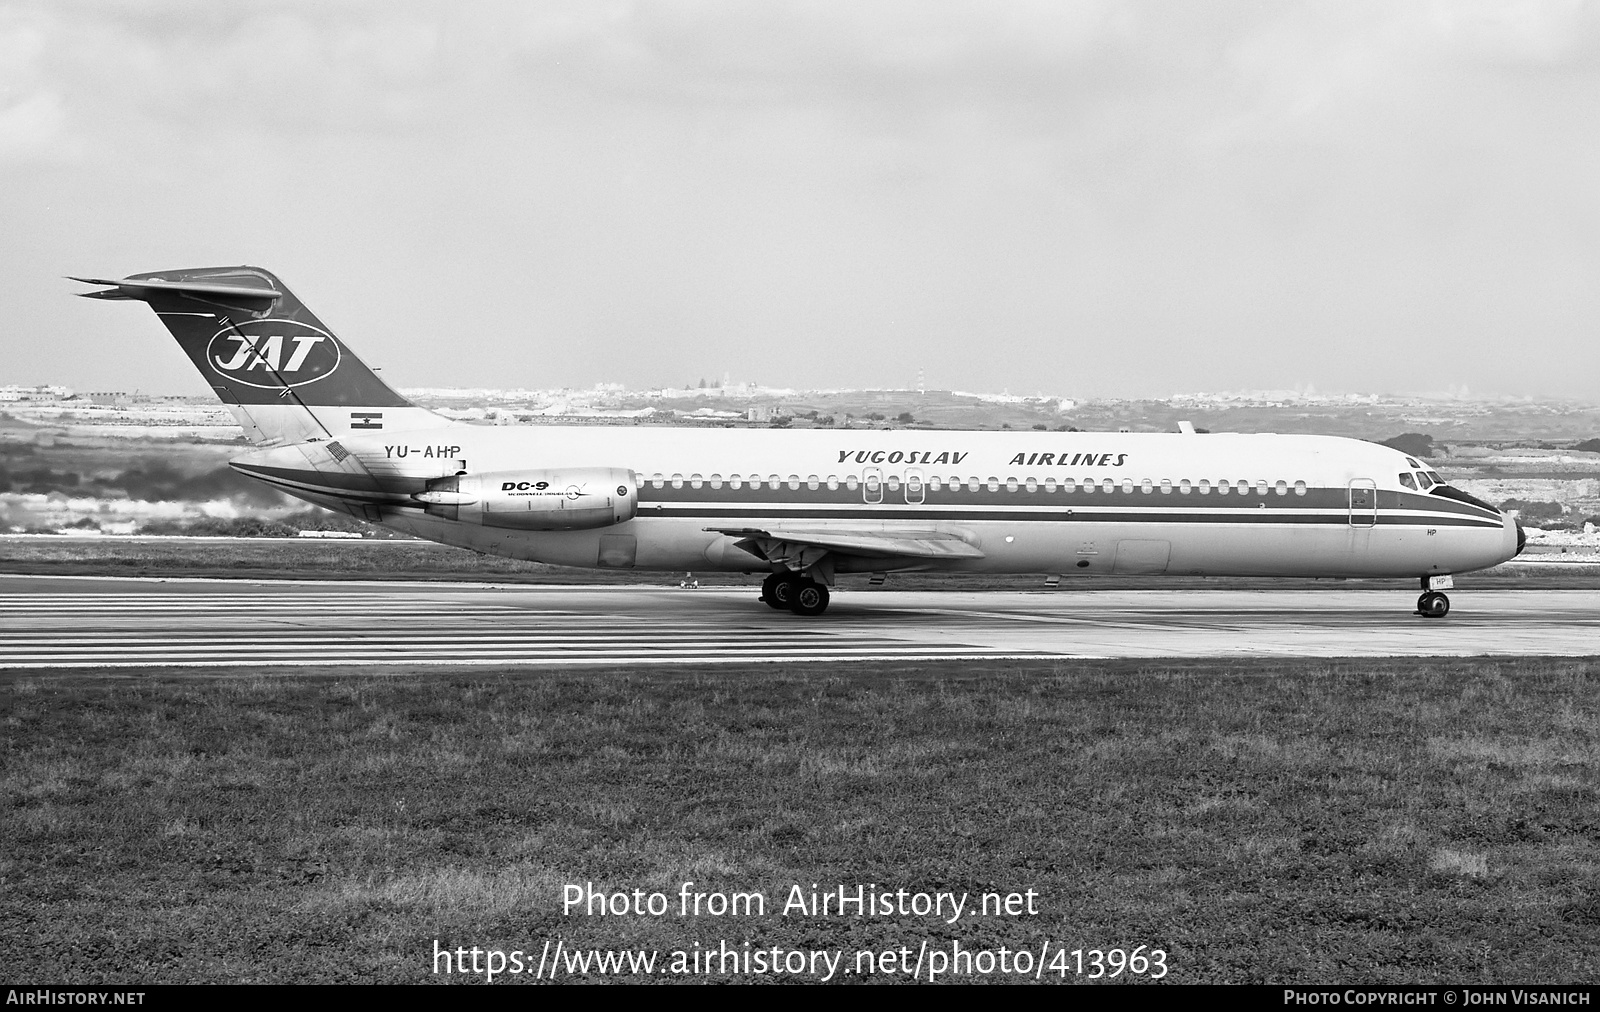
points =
(793, 592)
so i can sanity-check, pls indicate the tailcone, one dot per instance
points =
(323, 469)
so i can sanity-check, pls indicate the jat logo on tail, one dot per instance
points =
(271, 354)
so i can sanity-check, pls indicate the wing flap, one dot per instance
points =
(903, 544)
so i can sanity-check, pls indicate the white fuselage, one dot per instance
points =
(1030, 502)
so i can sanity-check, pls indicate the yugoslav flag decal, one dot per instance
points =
(257, 353)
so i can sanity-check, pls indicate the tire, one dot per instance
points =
(809, 598)
(781, 595)
(769, 592)
(1434, 605)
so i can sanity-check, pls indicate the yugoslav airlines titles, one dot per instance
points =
(1067, 459)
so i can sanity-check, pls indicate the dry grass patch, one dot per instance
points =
(441, 892)
(1467, 864)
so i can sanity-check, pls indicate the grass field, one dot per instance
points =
(1301, 821)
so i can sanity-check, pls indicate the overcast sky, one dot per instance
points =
(1079, 198)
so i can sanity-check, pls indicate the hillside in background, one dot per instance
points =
(138, 464)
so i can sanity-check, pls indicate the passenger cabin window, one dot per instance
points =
(695, 481)
(1408, 481)
(1299, 488)
(716, 481)
(1184, 486)
(1282, 487)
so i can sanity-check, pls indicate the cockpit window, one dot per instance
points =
(1445, 491)
(1435, 476)
(1412, 462)
(1407, 480)
(1424, 482)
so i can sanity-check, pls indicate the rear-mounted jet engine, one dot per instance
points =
(567, 500)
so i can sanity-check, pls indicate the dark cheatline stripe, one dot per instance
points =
(1321, 499)
(1042, 515)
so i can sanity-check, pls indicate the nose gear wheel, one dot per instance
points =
(1433, 605)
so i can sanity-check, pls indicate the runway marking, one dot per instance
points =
(130, 623)
(357, 626)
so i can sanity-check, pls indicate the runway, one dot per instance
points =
(87, 623)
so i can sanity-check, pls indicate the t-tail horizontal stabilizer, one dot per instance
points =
(286, 377)
(251, 296)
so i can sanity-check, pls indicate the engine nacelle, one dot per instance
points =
(570, 499)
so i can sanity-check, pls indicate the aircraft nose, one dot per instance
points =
(1513, 533)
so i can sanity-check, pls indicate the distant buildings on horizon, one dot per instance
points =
(553, 401)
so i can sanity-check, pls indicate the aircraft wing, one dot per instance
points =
(767, 543)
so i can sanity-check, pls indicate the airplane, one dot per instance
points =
(808, 505)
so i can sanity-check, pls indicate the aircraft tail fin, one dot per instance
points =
(285, 376)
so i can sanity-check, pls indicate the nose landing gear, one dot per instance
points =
(796, 593)
(1433, 604)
